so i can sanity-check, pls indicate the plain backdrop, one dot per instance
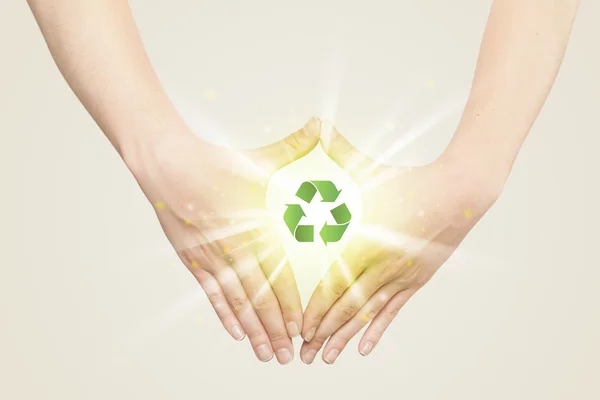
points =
(94, 304)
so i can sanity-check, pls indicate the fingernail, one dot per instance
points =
(284, 356)
(310, 334)
(366, 348)
(264, 352)
(309, 356)
(331, 356)
(237, 332)
(292, 329)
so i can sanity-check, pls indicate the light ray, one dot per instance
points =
(420, 129)
(400, 241)
(232, 230)
(414, 245)
(249, 243)
(382, 177)
(252, 261)
(256, 213)
(374, 137)
(271, 278)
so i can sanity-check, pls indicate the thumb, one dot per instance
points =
(292, 147)
(343, 153)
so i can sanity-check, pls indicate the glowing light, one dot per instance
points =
(468, 213)
(159, 205)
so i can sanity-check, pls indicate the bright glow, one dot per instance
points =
(311, 260)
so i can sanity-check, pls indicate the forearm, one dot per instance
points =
(97, 48)
(522, 49)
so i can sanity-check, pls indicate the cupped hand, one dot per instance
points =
(210, 202)
(413, 220)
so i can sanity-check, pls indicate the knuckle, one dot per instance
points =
(238, 303)
(340, 341)
(334, 288)
(277, 336)
(371, 314)
(264, 303)
(394, 311)
(215, 298)
(318, 341)
(347, 311)
(293, 141)
(257, 336)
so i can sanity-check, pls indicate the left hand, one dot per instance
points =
(413, 220)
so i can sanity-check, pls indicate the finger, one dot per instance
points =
(343, 153)
(278, 271)
(217, 299)
(263, 299)
(346, 307)
(289, 149)
(210, 256)
(339, 277)
(267, 307)
(359, 254)
(338, 341)
(239, 302)
(382, 321)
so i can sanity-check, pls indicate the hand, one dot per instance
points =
(210, 202)
(413, 219)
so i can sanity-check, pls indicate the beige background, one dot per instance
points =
(94, 305)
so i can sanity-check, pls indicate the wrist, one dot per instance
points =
(141, 151)
(481, 172)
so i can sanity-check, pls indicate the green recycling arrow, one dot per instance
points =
(334, 233)
(327, 189)
(329, 194)
(292, 217)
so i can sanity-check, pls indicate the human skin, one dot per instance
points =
(200, 192)
(435, 206)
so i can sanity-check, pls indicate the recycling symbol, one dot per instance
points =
(329, 233)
